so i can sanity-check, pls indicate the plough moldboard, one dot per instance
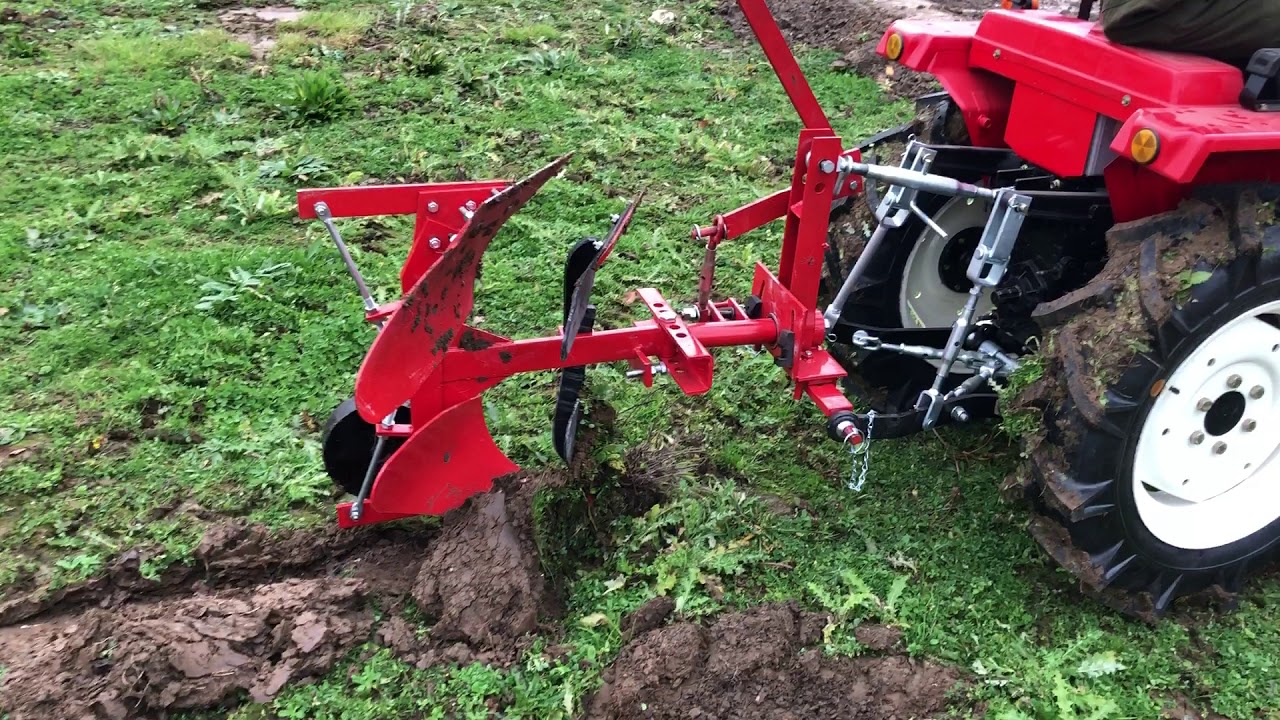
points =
(414, 439)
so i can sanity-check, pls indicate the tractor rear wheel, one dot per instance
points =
(1150, 419)
(917, 281)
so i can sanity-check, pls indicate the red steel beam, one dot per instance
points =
(502, 360)
(784, 63)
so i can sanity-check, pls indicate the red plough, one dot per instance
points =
(427, 358)
(1150, 401)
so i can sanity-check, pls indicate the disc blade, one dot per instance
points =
(579, 302)
(416, 337)
(446, 461)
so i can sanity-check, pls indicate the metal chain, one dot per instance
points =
(862, 456)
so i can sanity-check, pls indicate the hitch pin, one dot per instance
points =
(657, 369)
(326, 217)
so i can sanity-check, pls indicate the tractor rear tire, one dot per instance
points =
(1150, 423)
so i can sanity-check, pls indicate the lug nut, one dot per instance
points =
(1219, 448)
(1197, 437)
(1256, 392)
(1204, 405)
(1249, 425)
(1234, 381)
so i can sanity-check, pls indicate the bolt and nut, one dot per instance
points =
(827, 166)
(434, 243)
(1256, 392)
(471, 205)
(433, 206)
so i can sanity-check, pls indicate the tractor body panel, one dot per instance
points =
(1212, 144)
(941, 48)
(1066, 99)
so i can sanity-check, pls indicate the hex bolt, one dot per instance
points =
(1256, 392)
(471, 205)
(1219, 448)
(434, 243)
(433, 206)
(959, 414)
(1204, 404)
(1234, 381)
(1249, 425)
(827, 166)
(1197, 437)
(690, 313)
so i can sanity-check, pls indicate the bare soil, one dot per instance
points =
(767, 662)
(256, 26)
(853, 28)
(257, 611)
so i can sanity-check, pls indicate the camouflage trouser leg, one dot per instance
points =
(1229, 30)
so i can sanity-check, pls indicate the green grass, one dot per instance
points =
(339, 28)
(153, 277)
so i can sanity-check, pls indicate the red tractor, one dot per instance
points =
(1078, 236)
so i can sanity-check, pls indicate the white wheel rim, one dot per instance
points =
(923, 301)
(1199, 480)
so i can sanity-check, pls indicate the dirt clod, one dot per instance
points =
(482, 580)
(648, 616)
(761, 664)
(880, 638)
(178, 653)
(257, 26)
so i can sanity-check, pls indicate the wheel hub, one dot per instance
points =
(934, 283)
(953, 266)
(1206, 456)
(1225, 413)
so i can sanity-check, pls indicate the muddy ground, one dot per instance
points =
(767, 663)
(258, 611)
